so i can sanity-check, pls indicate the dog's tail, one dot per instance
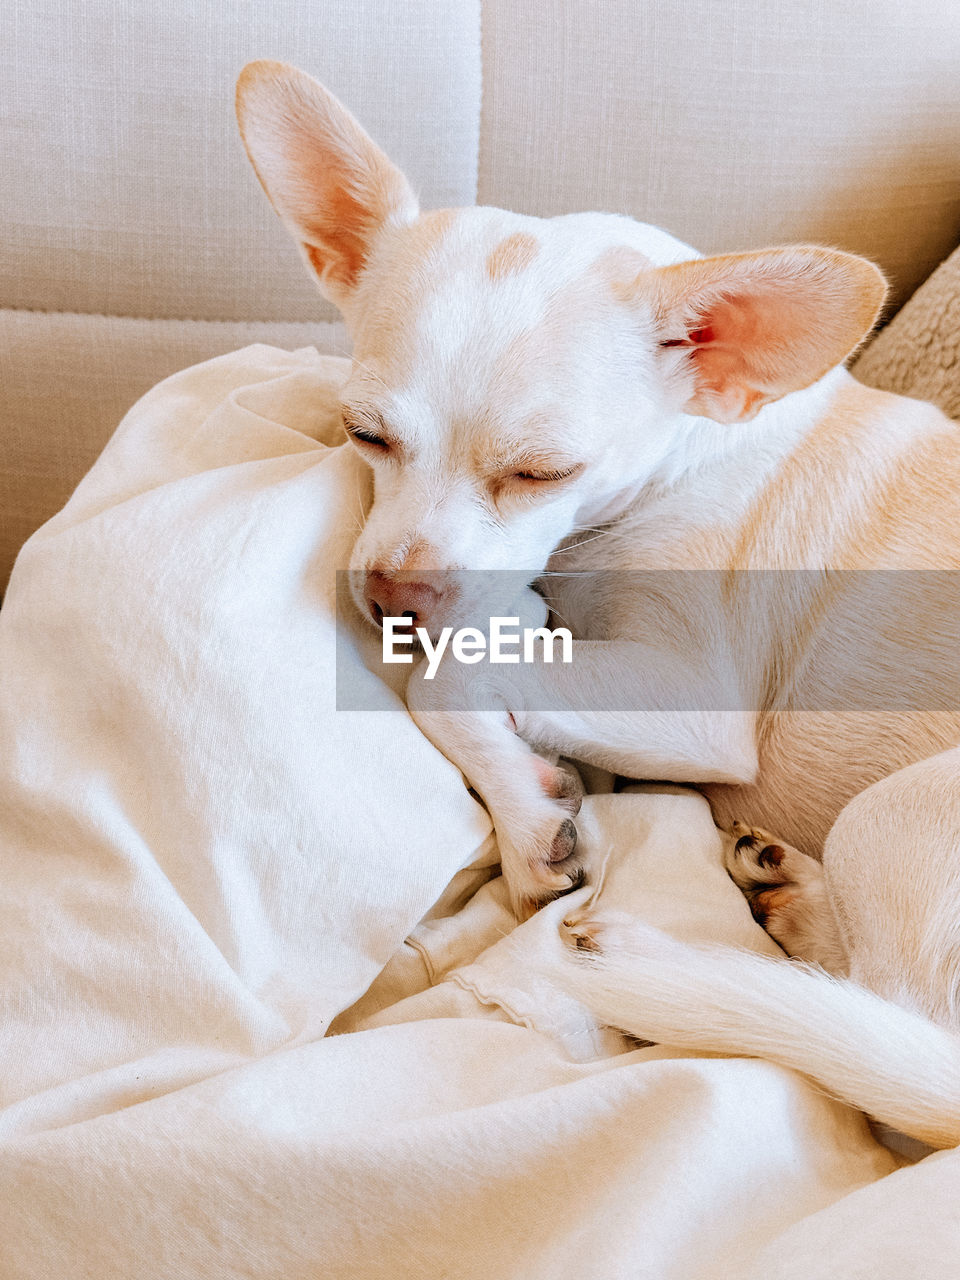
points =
(897, 1065)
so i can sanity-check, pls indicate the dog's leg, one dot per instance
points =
(788, 895)
(892, 1062)
(532, 802)
(677, 732)
(887, 1042)
(892, 866)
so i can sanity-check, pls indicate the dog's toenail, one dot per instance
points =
(564, 842)
(577, 879)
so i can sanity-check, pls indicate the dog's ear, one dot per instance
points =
(748, 328)
(331, 185)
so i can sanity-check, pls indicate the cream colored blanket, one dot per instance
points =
(203, 865)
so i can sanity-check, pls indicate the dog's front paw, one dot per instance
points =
(532, 802)
(541, 863)
(538, 836)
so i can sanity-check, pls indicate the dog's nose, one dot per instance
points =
(400, 596)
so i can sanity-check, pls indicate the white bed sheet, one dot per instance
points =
(265, 1013)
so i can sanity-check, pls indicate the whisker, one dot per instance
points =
(359, 496)
(372, 372)
(575, 546)
(555, 613)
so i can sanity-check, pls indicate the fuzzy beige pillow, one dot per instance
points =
(918, 353)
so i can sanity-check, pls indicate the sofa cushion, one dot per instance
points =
(133, 195)
(918, 353)
(733, 124)
(66, 381)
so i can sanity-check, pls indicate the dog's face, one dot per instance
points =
(497, 377)
(517, 378)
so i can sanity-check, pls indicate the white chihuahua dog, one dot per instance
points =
(518, 381)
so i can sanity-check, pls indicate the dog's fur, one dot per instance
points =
(520, 383)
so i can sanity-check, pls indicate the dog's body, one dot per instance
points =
(518, 381)
(858, 481)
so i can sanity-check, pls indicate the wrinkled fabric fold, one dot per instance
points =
(265, 1011)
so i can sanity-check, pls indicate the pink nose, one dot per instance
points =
(398, 596)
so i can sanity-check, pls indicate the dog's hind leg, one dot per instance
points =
(888, 1041)
(892, 871)
(891, 1062)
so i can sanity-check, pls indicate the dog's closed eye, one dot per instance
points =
(529, 479)
(545, 476)
(369, 432)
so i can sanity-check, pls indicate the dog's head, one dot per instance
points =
(516, 378)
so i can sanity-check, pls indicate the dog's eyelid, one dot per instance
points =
(545, 475)
(368, 429)
(362, 420)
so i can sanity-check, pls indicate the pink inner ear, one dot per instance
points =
(750, 321)
(339, 225)
(329, 182)
(741, 349)
(338, 195)
(760, 325)
(693, 338)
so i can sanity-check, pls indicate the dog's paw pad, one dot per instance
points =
(755, 858)
(771, 855)
(564, 842)
(569, 791)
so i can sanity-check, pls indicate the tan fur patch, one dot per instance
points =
(511, 256)
(429, 229)
(620, 268)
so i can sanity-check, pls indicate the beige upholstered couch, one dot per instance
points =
(135, 240)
